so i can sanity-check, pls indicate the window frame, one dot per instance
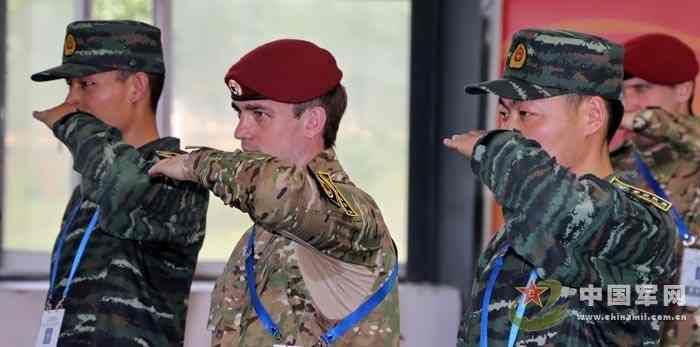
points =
(35, 265)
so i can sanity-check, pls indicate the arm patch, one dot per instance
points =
(333, 193)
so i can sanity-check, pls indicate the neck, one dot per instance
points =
(596, 163)
(308, 154)
(142, 131)
(684, 109)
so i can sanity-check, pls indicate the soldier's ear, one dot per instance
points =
(138, 87)
(314, 119)
(684, 91)
(595, 111)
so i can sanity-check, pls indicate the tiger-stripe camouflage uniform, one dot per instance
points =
(564, 235)
(297, 224)
(577, 231)
(132, 286)
(133, 281)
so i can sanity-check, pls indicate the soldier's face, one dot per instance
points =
(640, 94)
(270, 127)
(103, 95)
(552, 122)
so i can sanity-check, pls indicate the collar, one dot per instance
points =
(327, 161)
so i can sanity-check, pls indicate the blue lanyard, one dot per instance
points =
(335, 332)
(78, 255)
(488, 292)
(643, 169)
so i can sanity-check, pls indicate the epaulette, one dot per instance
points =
(333, 193)
(163, 154)
(647, 197)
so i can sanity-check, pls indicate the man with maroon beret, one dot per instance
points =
(659, 136)
(318, 266)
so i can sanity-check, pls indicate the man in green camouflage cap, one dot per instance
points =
(125, 255)
(583, 256)
(318, 267)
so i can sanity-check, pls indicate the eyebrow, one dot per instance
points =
(254, 106)
(635, 84)
(500, 102)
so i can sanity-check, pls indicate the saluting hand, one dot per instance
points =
(627, 121)
(174, 167)
(54, 114)
(464, 143)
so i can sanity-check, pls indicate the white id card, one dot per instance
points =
(51, 322)
(690, 276)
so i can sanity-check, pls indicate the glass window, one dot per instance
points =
(37, 167)
(140, 10)
(370, 40)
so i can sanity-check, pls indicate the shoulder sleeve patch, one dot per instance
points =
(643, 195)
(333, 193)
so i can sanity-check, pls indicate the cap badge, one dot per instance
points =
(69, 46)
(235, 88)
(518, 58)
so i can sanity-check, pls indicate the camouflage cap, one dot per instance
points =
(547, 63)
(98, 46)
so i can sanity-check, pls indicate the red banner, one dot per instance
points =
(615, 20)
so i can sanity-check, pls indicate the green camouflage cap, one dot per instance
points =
(546, 63)
(98, 46)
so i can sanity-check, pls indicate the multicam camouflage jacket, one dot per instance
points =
(670, 146)
(132, 285)
(576, 233)
(321, 249)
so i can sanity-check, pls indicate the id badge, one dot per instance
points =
(690, 276)
(50, 329)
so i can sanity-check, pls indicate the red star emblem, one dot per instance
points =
(532, 293)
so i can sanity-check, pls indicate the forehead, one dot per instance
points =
(537, 103)
(263, 103)
(634, 81)
(96, 76)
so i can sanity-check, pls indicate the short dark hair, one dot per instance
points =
(613, 106)
(155, 85)
(334, 103)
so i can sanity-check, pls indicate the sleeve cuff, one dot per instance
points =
(481, 146)
(59, 128)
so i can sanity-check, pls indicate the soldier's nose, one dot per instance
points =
(242, 131)
(73, 99)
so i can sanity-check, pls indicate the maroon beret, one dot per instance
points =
(291, 71)
(660, 59)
